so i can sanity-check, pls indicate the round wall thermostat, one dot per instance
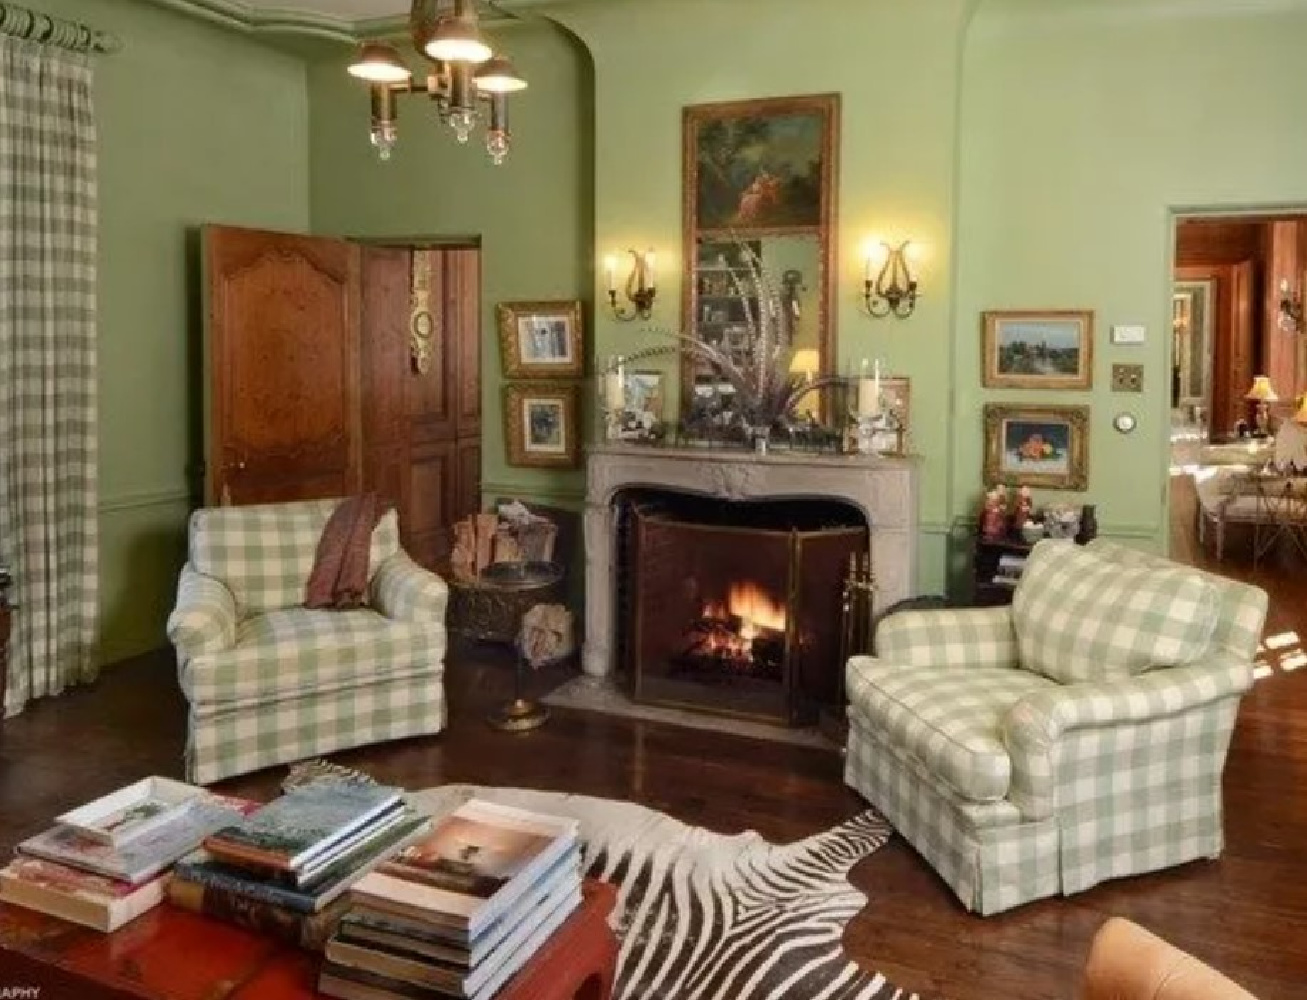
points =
(1124, 422)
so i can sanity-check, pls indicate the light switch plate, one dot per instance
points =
(1129, 333)
(1127, 378)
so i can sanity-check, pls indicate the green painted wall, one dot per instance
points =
(197, 124)
(1085, 124)
(895, 65)
(533, 213)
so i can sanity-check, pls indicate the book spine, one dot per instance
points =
(309, 931)
(260, 891)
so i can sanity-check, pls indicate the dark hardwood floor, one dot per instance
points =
(1245, 914)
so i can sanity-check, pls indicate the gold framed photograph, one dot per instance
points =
(541, 340)
(541, 426)
(1029, 349)
(1044, 446)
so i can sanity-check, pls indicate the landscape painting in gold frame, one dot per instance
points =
(1046, 349)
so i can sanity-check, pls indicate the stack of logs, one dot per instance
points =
(483, 540)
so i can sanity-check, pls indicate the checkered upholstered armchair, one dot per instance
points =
(270, 681)
(1077, 736)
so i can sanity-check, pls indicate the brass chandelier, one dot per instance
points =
(467, 81)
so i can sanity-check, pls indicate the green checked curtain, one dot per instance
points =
(47, 364)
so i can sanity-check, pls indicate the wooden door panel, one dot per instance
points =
(463, 309)
(430, 477)
(469, 478)
(283, 367)
(385, 344)
(1243, 325)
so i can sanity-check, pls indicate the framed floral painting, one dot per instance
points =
(1044, 446)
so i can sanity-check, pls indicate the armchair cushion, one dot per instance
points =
(948, 719)
(264, 553)
(404, 591)
(297, 651)
(1082, 618)
(204, 620)
(962, 637)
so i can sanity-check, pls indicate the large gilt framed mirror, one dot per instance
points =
(760, 180)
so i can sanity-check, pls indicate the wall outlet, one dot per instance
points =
(1127, 378)
(1129, 334)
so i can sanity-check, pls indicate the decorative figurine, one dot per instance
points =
(1024, 509)
(993, 520)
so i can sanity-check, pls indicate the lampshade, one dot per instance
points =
(378, 62)
(1261, 390)
(806, 362)
(499, 76)
(457, 39)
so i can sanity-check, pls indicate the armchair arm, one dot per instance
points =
(1035, 724)
(962, 637)
(204, 620)
(404, 591)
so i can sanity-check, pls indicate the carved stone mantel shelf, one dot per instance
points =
(884, 489)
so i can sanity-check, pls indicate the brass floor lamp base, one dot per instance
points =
(518, 716)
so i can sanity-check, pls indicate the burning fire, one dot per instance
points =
(754, 609)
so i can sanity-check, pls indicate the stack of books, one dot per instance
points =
(1010, 568)
(284, 869)
(459, 912)
(104, 863)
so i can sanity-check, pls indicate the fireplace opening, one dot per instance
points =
(736, 607)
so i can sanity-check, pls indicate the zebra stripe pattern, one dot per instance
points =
(703, 916)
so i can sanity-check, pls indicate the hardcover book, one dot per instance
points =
(293, 830)
(203, 868)
(473, 866)
(305, 930)
(144, 856)
(81, 897)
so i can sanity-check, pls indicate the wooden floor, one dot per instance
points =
(1246, 914)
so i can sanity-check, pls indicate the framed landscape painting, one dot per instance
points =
(541, 339)
(1044, 446)
(540, 426)
(762, 166)
(1038, 350)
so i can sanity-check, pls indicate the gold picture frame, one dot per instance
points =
(541, 340)
(1038, 349)
(1045, 446)
(541, 426)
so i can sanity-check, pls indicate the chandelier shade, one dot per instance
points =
(378, 62)
(468, 81)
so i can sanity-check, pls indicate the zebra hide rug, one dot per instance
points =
(703, 916)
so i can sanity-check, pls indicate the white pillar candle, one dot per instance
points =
(615, 389)
(610, 266)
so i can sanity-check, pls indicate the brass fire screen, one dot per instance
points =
(739, 619)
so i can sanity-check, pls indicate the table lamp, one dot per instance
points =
(1263, 395)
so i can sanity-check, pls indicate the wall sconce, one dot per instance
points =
(1291, 315)
(893, 289)
(640, 289)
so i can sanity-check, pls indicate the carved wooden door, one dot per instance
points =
(282, 414)
(422, 389)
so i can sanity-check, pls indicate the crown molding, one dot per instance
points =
(240, 15)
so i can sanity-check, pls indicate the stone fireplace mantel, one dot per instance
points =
(884, 489)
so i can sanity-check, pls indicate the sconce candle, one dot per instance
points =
(894, 289)
(640, 289)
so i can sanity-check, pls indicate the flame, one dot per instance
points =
(752, 606)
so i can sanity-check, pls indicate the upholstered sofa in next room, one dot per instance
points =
(1077, 736)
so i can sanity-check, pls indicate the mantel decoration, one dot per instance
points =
(464, 74)
(762, 388)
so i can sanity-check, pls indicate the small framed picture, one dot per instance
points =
(891, 433)
(644, 394)
(1038, 350)
(541, 340)
(540, 426)
(1044, 446)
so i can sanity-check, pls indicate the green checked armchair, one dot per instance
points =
(270, 681)
(1074, 737)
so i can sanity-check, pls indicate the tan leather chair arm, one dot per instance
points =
(1127, 962)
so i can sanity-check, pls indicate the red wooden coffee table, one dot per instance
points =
(169, 954)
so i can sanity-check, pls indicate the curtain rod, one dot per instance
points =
(23, 23)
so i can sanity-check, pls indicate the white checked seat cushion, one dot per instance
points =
(269, 681)
(949, 720)
(1103, 758)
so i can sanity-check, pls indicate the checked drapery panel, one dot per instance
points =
(48, 364)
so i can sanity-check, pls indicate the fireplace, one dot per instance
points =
(736, 607)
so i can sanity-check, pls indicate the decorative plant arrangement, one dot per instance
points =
(755, 397)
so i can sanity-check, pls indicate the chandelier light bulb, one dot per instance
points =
(384, 138)
(378, 62)
(462, 122)
(457, 39)
(499, 76)
(497, 144)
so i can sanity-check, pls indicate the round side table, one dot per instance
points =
(490, 608)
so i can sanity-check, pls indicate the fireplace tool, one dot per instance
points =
(856, 609)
